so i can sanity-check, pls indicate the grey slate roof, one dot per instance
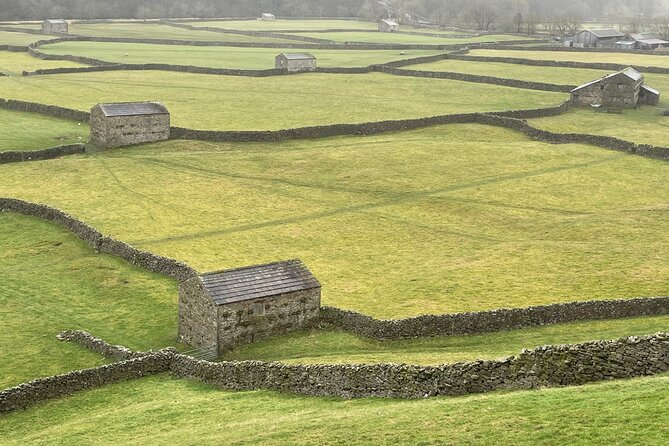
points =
(390, 22)
(297, 56)
(651, 89)
(604, 33)
(56, 21)
(259, 281)
(629, 72)
(133, 108)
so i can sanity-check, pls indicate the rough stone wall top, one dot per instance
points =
(258, 281)
(629, 72)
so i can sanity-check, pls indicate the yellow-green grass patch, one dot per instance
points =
(648, 60)
(167, 410)
(52, 282)
(159, 31)
(439, 220)
(220, 57)
(261, 25)
(381, 37)
(30, 131)
(244, 103)
(18, 38)
(14, 64)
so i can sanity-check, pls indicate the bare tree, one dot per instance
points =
(482, 15)
(662, 27)
(518, 22)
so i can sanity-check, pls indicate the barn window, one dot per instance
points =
(258, 309)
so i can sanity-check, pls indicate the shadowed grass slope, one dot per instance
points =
(220, 57)
(30, 131)
(243, 103)
(52, 282)
(444, 219)
(162, 409)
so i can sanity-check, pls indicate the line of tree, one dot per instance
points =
(561, 17)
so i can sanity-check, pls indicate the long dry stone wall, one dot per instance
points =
(13, 156)
(97, 345)
(49, 110)
(504, 319)
(99, 242)
(36, 391)
(550, 366)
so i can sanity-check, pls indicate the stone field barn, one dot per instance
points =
(388, 26)
(233, 307)
(51, 26)
(624, 89)
(266, 16)
(127, 123)
(595, 38)
(294, 62)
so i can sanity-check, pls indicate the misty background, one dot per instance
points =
(520, 16)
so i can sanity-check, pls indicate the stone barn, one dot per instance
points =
(233, 307)
(624, 89)
(388, 26)
(51, 26)
(267, 17)
(596, 38)
(294, 62)
(127, 123)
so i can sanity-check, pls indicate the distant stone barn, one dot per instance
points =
(127, 123)
(233, 307)
(388, 26)
(267, 17)
(51, 26)
(294, 62)
(595, 38)
(624, 89)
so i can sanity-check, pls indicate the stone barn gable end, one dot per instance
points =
(596, 38)
(127, 123)
(233, 307)
(388, 26)
(294, 62)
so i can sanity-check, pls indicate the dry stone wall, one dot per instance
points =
(550, 366)
(39, 155)
(152, 262)
(97, 345)
(36, 391)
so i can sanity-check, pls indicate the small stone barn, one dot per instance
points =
(233, 307)
(624, 89)
(127, 123)
(267, 17)
(51, 26)
(596, 38)
(388, 26)
(294, 62)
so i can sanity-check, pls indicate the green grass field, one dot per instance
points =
(379, 37)
(335, 347)
(259, 25)
(54, 282)
(221, 57)
(158, 31)
(243, 103)
(166, 410)
(18, 38)
(647, 60)
(642, 126)
(14, 64)
(30, 131)
(470, 217)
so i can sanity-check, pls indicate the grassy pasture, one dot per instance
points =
(220, 57)
(52, 281)
(30, 131)
(648, 60)
(167, 410)
(18, 38)
(643, 126)
(334, 347)
(379, 37)
(14, 64)
(469, 217)
(158, 31)
(260, 25)
(243, 103)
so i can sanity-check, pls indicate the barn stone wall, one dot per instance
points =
(198, 325)
(616, 91)
(238, 324)
(117, 131)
